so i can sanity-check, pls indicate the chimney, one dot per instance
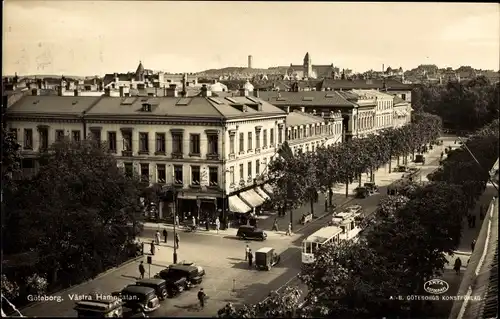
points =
(184, 85)
(243, 92)
(204, 90)
(60, 90)
(256, 93)
(302, 109)
(171, 91)
(35, 92)
(122, 91)
(287, 110)
(76, 92)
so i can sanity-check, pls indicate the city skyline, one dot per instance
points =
(86, 38)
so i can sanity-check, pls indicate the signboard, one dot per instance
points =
(204, 178)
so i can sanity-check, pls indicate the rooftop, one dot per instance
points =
(324, 233)
(306, 98)
(56, 105)
(300, 118)
(398, 100)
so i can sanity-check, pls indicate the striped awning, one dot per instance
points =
(252, 198)
(268, 188)
(262, 193)
(237, 205)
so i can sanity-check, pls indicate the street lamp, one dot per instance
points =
(175, 195)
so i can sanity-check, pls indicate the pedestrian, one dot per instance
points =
(157, 237)
(472, 245)
(289, 230)
(207, 224)
(247, 250)
(201, 297)
(194, 222)
(177, 239)
(141, 269)
(458, 265)
(176, 220)
(275, 225)
(152, 247)
(250, 258)
(474, 221)
(326, 205)
(217, 224)
(165, 234)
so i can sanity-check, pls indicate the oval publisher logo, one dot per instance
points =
(436, 286)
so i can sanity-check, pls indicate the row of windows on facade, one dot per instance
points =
(367, 123)
(267, 141)
(196, 176)
(384, 105)
(298, 133)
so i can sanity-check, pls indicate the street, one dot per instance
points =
(228, 277)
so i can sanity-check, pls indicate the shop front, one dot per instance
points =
(253, 200)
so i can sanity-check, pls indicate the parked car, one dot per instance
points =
(158, 284)
(181, 274)
(251, 232)
(98, 307)
(201, 271)
(138, 298)
(265, 258)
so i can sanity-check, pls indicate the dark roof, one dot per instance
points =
(134, 289)
(363, 84)
(300, 118)
(306, 98)
(140, 68)
(398, 100)
(209, 107)
(350, 96)
(64, 105)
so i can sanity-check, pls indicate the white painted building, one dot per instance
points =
(384, 112)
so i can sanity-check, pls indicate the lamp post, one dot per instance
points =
(175, 194)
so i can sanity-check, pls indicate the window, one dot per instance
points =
(271, 137)
(257, 139)
(231, 143)
(178, 176)
(249, 169)
(195, 175)
(160, 143)
(129, 169)
(257, 167)
(213, 144)
(95, 134)
(13, 133)
(144, 172)
(44, 138)
(143, 142)
(194, 144)
(161, 173)
(127, 140)
(250, 141)
(177, 143)
(242, 173)
(231, 174)
(242, 143)
(213, 176)
(112, 142)
(403, 96)
(59, 135)
(264, 139)
(75, 136)
(28, 139)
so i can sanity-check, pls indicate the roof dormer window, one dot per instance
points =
(146, 107)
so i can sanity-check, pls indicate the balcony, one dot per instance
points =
(213, 156)
(143, 152)
(162, 153)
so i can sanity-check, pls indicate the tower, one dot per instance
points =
(250, 58)
(139, 73)
(307, 66)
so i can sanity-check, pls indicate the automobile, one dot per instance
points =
(419, 158)
(372, 188)
(401, 169)
(250, 232)
(158, 284)
(138, 298)
(362, 192)
(201, 271)
(99, 307)
(265, 258)
(188, 276)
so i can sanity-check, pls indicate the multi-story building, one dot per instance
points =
(364, 114)
(211, 149)
(402, 112)
(307, 132)
(384, 112)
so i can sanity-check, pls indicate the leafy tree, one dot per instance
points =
(11, 157)
(79, 184)
(327, 170)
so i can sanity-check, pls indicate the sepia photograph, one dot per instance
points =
(314, 159)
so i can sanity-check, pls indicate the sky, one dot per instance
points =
(99, 37)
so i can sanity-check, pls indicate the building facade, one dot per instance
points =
(402, 112)
(191, 143)
(384, 110)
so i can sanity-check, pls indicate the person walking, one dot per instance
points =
(458, 265)
(152, 247)
(157, 237)
(217, 224)
(275, 225)
(176, 220)
(207, 224)
(201, 297)
(177, 239)
(194, 221)
(473, 245)
(142, 271)
(165, 234)
(250, 258)
(247, 251)
(289, 230)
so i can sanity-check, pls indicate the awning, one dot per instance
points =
(195, 197)
(268, 189)
(237, 205)
(252, 198)
(262, 193)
